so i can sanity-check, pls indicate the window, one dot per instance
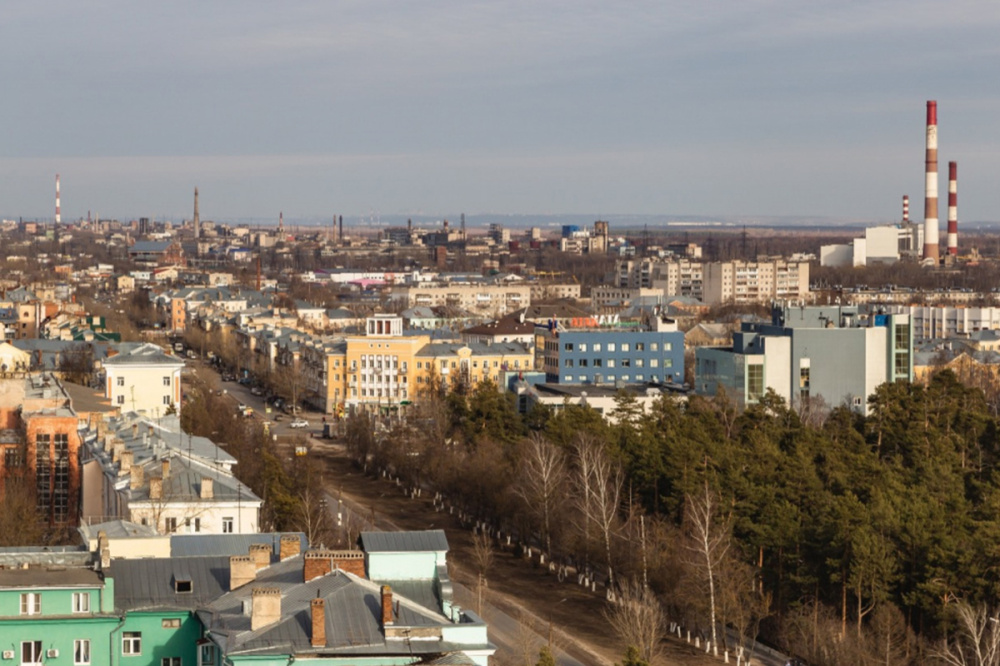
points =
(174, 622)
(121, 400)
(597, 346)
(755, 382)
(640, 346)
(611, 362)
(170, 524)
(166, 400)
(597, 363)
(81, 602)
(170, 661)
(166, 381)
(132, 643)
(625, 347)
(568, 363)
(654, 362)
(583, 363)
(654, 346)
(208, 655)
(611, 346)
(582, 346)
(31, 603)
(568, 346)
(31, 653)
(227, 525)
(12, 458)
(120, 381)
(626, 363)
(81, 651)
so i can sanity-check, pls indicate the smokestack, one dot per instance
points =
(906, 209)
(58, 206)
(931, 186)
(281, 221)
(318, 615)
(197, 217)
(953, 208)
(341, 228)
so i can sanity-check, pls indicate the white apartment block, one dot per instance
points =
(945, 321)
(491, 300)
(718, 282)
(142, 378)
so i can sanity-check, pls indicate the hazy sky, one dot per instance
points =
(318, 107)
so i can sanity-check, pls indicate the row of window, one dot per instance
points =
(610, 363)
(33, 655)
(167, 400)
(31, 603)
(568, 379)
(609, 346)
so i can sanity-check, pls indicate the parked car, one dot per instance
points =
(242, 407)
(299, 423)
(256, 390)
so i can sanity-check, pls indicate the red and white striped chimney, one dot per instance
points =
(58, 206)
(953, 208)
(906, 209)
(931, 186)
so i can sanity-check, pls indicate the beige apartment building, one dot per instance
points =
(719, 282)
(488, 300)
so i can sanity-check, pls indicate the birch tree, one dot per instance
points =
(599, 488)
(708, 542)
(541, 484)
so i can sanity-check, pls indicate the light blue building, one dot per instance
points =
(615, 355)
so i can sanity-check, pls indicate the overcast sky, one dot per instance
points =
(728, 107)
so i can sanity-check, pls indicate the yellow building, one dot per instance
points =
(378, 365)
(453, 363)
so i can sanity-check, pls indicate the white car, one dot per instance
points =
(299, 423)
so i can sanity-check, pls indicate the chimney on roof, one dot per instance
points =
(104, 550)
(136, 477)
(261, 554)
(266, 607)
(242, 570)
(135, 430)
(207, 488)
(318, 611)
(150, 430)
(386, 606)
(125, 458)
(289, 546)
(316, 563)
(165, 467)
(155, 488)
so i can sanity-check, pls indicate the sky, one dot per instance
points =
(737, 108)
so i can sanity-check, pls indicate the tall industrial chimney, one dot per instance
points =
(58, 206)
(931, 186)
(953, 208)
(281, 221)
(197, 218)
(906, 209)
(341, 228)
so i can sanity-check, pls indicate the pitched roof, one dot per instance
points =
(404, 542)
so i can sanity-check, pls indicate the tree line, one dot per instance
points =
(842, 540)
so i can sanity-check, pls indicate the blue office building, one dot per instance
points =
(613, 355)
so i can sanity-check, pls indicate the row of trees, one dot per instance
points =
(853, 537)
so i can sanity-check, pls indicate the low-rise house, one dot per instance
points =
(143, 378)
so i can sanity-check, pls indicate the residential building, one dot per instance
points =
(945, 321)
(40, 441)
(484, 298)
(755, 282)
(141, 377)
(151, 473)
(448, 364)
(378, 365)
(805, 353)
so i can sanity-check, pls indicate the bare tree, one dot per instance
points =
(599, 487)
(976, 641)
(542, 480)
(482, 555)
(638, 618)
(709, 542)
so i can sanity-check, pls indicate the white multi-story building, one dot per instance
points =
(946, 321)
(151, 473)
(143, 378)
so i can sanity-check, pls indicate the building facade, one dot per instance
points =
(142, 378)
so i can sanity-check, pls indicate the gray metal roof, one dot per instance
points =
(202, 545)
(148, 583)
(117, 529)
(404, 542)
(50, 577)
(352, 613)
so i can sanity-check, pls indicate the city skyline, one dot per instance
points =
(732, 109)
